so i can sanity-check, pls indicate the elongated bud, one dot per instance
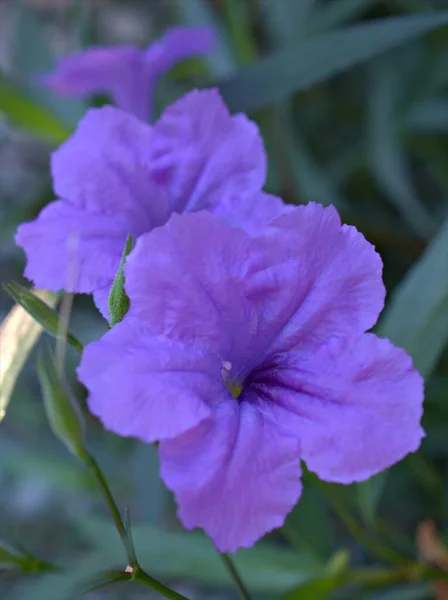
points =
(43, 314)
(118, 299)
(63, 415)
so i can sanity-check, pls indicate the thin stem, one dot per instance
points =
(91, 463)
(244, 594)
(142, 577)
(134, 570)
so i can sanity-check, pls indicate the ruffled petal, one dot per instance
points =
(202, 154)
(355, 405)
(147, 387)
(315, 279)
(69, 248)
(105, 167)
(185, 280)
(253, 212)
(235, 475)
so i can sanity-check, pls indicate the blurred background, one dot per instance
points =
(351, 97)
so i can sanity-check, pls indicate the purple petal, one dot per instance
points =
(235, 475)
(184, 281)
(126, 73)
(118, 71)
(105, 167)
(315, 279)
(148, 387)
(252, 212)
(203, 155)
(177, 44)
(69, 248)
(107, 193)
(355, 405)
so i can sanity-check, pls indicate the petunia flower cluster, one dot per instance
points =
(246, 348)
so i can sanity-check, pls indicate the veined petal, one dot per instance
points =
(147, 387)
(69, 248)
(235, 475)
(355, 405)
(314, 278)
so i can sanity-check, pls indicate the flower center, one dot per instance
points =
(234, 387)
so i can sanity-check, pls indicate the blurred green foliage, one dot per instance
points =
(351, 97)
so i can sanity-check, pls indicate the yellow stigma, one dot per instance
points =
(235, 389)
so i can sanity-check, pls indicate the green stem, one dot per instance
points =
(141, 576)
(136, 573)
(94, 468)
(244, 594)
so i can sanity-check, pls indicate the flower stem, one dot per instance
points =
(142, 577)
(134, 570)
(244, 594)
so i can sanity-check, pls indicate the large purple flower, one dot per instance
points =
(126, 73)
(117, 176)
(244, 355)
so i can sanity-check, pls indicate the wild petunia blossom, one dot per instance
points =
(244, 355)
(117, 176)
(126, 73)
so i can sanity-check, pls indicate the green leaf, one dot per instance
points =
(286, 20)
(46, 316)
(388, 161)
(264, 568)
(62, 413)
(369, 493)
(30, 115)
(317, 589)
(416, 317)
(222, 61)
(334, 14)
(310, 61)
(430, 116)
(118, 299)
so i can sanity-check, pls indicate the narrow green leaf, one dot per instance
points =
(222, 61)
(317, 589)
(106, 579)
(309, 61)
(62, 413)
(369, 493)
(30, 115)
(265, 568)
(46, 316)
(334, 14)
(388, 160)
(430, 116)
(286, 20)
(118, 299)
(416, 317)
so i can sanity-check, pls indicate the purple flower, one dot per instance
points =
(244, 355)
(117, 176)
(127, 73)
